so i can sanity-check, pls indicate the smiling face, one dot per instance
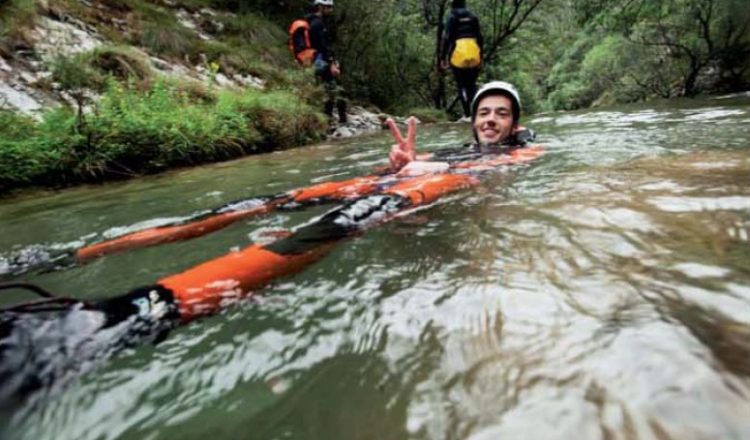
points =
(493, 123)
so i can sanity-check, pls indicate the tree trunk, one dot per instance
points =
(691, 79)
(438, 97)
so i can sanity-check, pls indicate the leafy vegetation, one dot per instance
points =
(428, 114)
(561, 54)
(131, 131)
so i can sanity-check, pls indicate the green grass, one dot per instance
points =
(93, 70)
(16, 18)
(281, 119)
(22, 158)
(132, 132)
(428, 114)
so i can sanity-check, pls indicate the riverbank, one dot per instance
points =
(99, 91)
(133, 132)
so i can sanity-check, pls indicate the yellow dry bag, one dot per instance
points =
(466, 54)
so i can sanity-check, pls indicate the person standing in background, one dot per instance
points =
(327, 69)
(461, 50)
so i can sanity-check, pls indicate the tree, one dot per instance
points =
(501, 19)
(433, 12)
(699, 39)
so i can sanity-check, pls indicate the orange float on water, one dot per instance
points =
(150, 312)
(323, 192)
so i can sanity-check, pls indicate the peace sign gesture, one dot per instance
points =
(404, 150)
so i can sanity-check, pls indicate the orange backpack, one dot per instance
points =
(299, 42)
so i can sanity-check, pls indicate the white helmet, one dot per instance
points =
(323, 2)
(499, 88)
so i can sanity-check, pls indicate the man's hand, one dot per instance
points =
(404, 150)
(335, 69)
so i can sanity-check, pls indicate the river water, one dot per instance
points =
(602, 292)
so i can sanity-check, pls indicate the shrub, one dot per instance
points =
(280, 117)
(121, 62)
(26, 155)
(15, 17)
(144, 132)
(75, 73)
(170, 40)
(132, 131)
(428, 114)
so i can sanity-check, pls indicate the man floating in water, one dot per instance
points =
(495, 124)
(45, 342)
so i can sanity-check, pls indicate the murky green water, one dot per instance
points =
(601, 293)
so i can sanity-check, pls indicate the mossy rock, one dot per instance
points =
(122, 63)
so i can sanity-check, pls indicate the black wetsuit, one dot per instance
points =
(320, 38)
(462, 24)
(473, 151)
(44, 343)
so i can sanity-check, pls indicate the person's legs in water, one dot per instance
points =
(466, 82)
(328, 108)
(333, 97)
(323, 74)
(341, 106)
(332, 89)
(330, 86)
(471, 85)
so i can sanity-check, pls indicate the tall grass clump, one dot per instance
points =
(264, 39)
(250, 44)
(21, 159)
(92, 70)
(281, 118)
(167, 39)
(121, 62)
(15, 16)
(133, 132)
(158, 30)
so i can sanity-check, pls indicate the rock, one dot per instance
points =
(250, 81)
(28, 77)
(189, 21)
(359, 121)
(18, 99)
(186, 19)
(51, 39)
(734, 95)
(56, 38)
(222, 80)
